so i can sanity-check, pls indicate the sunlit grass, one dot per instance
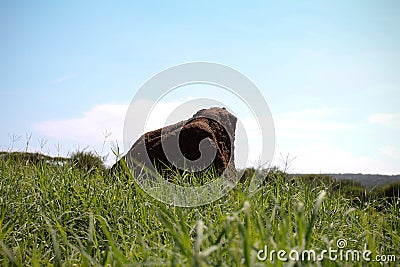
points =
(63, 216)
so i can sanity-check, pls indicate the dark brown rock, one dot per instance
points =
(206, 138)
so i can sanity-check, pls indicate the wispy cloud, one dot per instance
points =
(323, 157)
(88, 128)
(308, 137)
(386, 119)
(104, 123)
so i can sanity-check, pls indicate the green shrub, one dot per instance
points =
(88, 161)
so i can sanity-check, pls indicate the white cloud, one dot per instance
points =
(89, 128)
(386, 119)
(314, 155)
(307, 137)
(314, 124)
(322, 157)
(390, 151)
(308, 130)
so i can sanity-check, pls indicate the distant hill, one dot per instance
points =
(368, 180)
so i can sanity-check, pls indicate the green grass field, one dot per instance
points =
(65, 215)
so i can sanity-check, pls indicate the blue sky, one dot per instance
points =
(329, 70)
